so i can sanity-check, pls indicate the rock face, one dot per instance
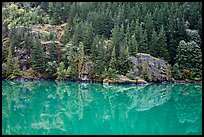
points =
(149, 68)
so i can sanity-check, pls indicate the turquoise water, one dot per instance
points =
(49, 107)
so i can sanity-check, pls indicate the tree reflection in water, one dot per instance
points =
(50, 107)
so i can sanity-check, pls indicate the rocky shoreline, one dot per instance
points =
(102, 82)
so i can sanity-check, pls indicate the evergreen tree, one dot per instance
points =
(149, 26)
(61, 71)
(154, 49)
(94, 48)
(87, 37)
(189, 58)
(195, 55)
(112, 64)
(116, 41)
(51, 68)
(9, 63)
(16, 67)
(67, 34)
(38, 57)
(143, 45)
(133, 47)
(193, 35)
(162, 44)
(53, 52)
(182, 57)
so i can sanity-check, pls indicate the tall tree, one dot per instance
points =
(53, 52)
(9, 62)
(133, 47)
(38, 57)
(143, 45)
(162, 45)
(154, 49)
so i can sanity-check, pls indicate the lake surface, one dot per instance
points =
(49, 107)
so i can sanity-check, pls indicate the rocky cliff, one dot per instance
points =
(144, 69)
(149, 68)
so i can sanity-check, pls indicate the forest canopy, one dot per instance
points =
(103, 33)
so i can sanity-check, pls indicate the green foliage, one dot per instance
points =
(15, 16)
(4, 66)
(133, 45)
(162, 46)
(70, 72)
(51, 68)
(143, 45)
(195, 74)
(38, 57)
(61, 72)
(176, 72)
(108, 33)
(154, 45)
(16, 67)
(53, 52)
(67, 34)
(9, 63)
(189, 55)
(110, 73)
(11, 68)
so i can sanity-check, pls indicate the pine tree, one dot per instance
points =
(9, 63)
(193, 35)
(87, 37)
(195, 55)
(80, 59)
(67, 34)
(51, 68)
(154, 49)
(149, 26)
(182, 57)
(112, 63)
(94, 48)
(53, 52)
(162, 45)
(38, 57)
(61, 71)
(116, 41)
(189, 58)
(143, 45)
(133, 47)
(16, 67)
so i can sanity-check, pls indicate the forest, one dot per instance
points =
(101, 34)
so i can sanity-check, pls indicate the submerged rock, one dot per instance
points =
(149, 68)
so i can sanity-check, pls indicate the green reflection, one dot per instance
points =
(50, 107)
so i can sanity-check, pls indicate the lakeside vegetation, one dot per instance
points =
(60, 40)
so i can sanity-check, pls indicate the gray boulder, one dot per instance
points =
(149, 68)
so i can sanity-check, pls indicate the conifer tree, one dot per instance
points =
(154, 49)
(116, 41)
(149, 26)
(9, 63)
(162, 45)
(133, 47)
(16, 67)
(143, 45)
(53, 52)
(61, 71)
(38, 57)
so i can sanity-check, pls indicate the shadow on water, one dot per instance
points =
(50, 107)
